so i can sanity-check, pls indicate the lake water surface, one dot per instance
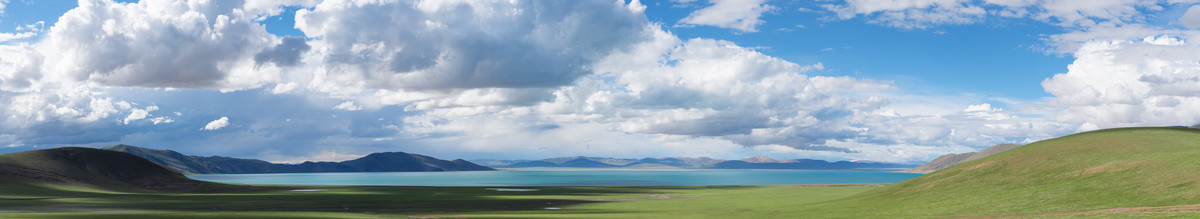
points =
(568, 177)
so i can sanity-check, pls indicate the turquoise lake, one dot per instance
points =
(568, 177)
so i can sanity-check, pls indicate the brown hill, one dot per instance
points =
(759, 159)
(90, 167)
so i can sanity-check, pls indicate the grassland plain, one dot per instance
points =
(1112, 172)
(1116, 173)
(375, 202)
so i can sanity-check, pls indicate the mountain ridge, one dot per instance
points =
(375, 162)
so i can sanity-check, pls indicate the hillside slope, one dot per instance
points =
(1105, 169)
(376, 162)
(168, 158)
(90, 167)
(953, 159)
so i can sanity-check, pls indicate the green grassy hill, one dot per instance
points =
(1106, 169)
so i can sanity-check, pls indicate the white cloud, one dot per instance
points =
(77, 105)
(5, 37)
(207, 44)
(217, 124)
(33, 27)
(734, 14)
(161, 120)
(23, 31)
(727, 96)
(718, 89)
(20, 67)
(1191, 18)
(348, 106)
(441, 46)
(137, 114)
(981, 108)
(273, 7)
(1119, 83)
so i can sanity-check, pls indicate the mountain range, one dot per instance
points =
(376, 162)
(757, 162)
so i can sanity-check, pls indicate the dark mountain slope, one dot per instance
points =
(90, 167)
(170, 159)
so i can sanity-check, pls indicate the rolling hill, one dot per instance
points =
(952, 159)
(90, 167)
(376, 162)
(1110, 169)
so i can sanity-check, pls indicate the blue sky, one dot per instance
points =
(878, 80)
(948, 58)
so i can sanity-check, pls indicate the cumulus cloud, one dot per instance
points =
(715, 88)
(76, 105)
(137, 114)
(348, 106)
(217, 124)
(286, 53)
(713, 91)
(20, 67)
(202, 44)
(741, 15)
(1119, 83)
(447, 45)
(5, 37)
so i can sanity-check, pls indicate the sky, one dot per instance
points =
(900, 81)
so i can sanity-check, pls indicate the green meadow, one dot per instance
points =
(1116, 173)
(372, 202)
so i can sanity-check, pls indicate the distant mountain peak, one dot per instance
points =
(760, 159)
